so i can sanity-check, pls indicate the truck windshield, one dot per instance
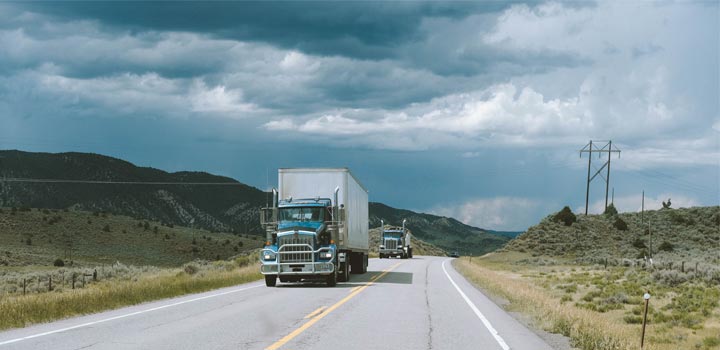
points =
(393, 234)
(301, 214)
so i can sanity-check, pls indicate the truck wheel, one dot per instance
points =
(270, 280)
(358, 260)
(381, 256)
(331, 279)
(365, 263)
(410, 252)
(344, 273)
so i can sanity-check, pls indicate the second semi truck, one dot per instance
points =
(395, 241)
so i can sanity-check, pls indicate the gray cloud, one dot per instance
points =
(357, 29)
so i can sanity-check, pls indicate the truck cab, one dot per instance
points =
(302, 246)
(395, 241)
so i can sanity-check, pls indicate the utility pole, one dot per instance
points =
(642, 213)
(589, 149)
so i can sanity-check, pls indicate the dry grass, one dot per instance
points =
(546, 292)
(21, 311)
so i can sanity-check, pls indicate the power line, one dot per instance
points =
(589, 149)
(28, 180)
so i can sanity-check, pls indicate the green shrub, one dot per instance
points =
(610, 210)
(59, 263)
(680, 219)
(632, 319)
(666, 246)
(106, 228)
(711, 342)
(191, 269)
(565, 216)
(639, 243)
(620, 224)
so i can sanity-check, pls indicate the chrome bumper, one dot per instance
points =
(287, 262)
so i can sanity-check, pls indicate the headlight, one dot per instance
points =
(326, 255)
(268, 255)
(382, 247)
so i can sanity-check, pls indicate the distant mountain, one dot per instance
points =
(227, 208)
(509, 234)
(218, 208)
(446, 233)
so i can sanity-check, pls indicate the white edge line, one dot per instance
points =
(125, 315)
(479, 314)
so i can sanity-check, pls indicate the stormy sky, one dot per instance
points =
(475, 110)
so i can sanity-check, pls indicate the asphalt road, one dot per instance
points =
(420, 303)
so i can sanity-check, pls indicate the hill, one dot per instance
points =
(40, 236)
(227, 208)
(443, 232)
(689, 234)
(218, 208)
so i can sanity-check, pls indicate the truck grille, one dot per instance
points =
(295, 254)
(391, 244)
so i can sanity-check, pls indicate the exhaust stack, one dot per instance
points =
(336, 206)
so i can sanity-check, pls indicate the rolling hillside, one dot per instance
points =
(40, 236)
(228, 208)
(689, 234)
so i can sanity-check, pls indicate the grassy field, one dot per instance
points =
(601, 308)
(56, 264)
(133, 286)
(584, 277)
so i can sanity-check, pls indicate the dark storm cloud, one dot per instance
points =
(355, 28)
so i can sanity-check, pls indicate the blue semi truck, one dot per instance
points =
(317, 227)
(394, 241)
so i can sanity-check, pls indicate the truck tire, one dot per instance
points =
(344, 273)
(381, 256)
(410, 252)
(331, 279)
(359, 265)
(270, 280)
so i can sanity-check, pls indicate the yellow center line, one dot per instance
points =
(284, 340)
(316, 312)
